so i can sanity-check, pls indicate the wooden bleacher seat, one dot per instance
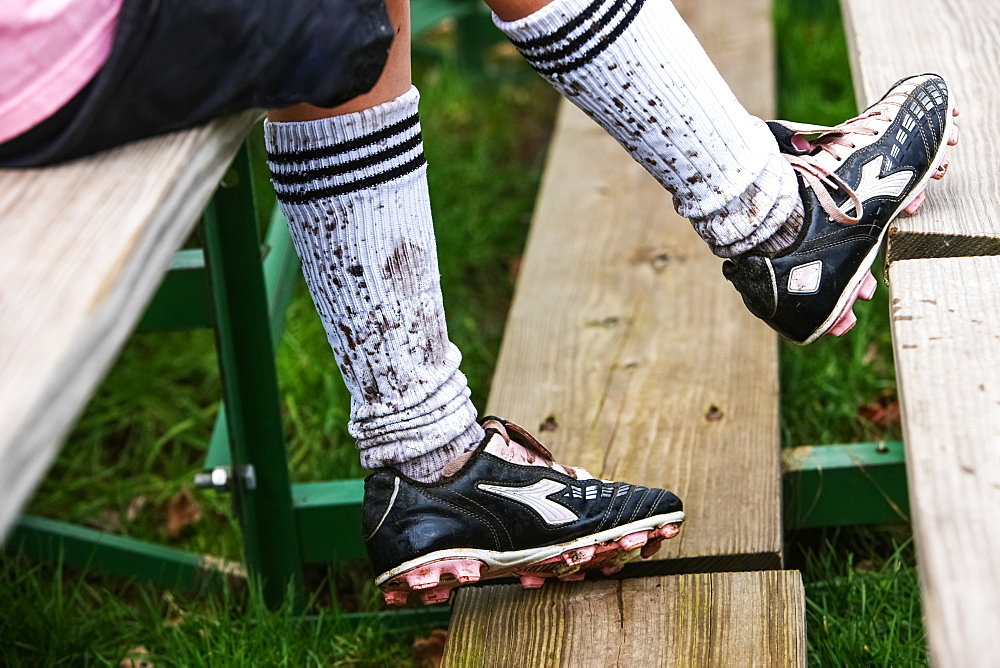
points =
(944, 282)
(83, 247)
(704, 619)
(630, 355)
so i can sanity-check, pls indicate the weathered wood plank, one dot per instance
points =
(714, 619)
(946, 325)
(83, 247)
(625, 334)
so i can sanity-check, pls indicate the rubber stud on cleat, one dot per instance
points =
(633, 540)
(395, 597)
(531, 581)
(611, 569)
(651, 548)
(953, 139)
(941, 170)
(436, 595)
(423, 578)
(573, 577)
(912, 207)
(466, 570)
(670, 530)
(868, 287)
(844, 323)
(607, 547)
(580, 555)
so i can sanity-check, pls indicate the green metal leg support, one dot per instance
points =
(260, 478)
(72, 545)
(281, 275)
(838, 485)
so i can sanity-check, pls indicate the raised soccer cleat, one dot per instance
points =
(854, 179)
(506, 509)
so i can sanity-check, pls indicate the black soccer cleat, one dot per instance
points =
(506, 509)
(855, 178)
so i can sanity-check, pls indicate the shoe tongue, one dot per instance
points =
(513, 444)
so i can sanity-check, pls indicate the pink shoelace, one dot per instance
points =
(833, 141)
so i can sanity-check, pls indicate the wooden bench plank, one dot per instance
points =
(714, 619)
(946, 324)
(83, 247)
(627, 344)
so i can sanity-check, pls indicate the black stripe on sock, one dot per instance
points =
(549, 40)
(360, 184)
(291, 157)
(572, 46)
(309, 175)
(586, 58)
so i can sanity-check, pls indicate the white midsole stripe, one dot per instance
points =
(497, 560)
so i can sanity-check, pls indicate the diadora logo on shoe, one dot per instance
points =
(535, 496)
(873, 184)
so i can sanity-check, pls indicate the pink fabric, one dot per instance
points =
(49, 50)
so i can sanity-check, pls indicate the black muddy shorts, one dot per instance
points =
(180, 63)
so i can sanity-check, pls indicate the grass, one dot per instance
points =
(55, 617)
(142, 437)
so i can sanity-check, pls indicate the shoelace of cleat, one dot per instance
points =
(830, 139)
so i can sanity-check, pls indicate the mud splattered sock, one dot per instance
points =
(635, 67)
(354, 190)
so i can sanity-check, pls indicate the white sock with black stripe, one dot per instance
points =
(635, 67)
(354, 190)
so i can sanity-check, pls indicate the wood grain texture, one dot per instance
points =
(709, 619)
(83, 248)
(960, 40)
(624, 332)
(946, 333)
(946, 326)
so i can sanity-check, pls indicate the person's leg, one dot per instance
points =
(447, 497)
(352, 182)
(635, 67)
(797, 258)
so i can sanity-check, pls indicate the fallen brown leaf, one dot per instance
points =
(430, 650)
(182, 512)
(882, 413)
(134, 507)
(136, 658)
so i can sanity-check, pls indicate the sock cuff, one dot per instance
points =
(334, 156)
(359, 128)
(566, 35)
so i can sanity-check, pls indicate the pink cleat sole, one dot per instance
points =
(864, 290)
(435, 581)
